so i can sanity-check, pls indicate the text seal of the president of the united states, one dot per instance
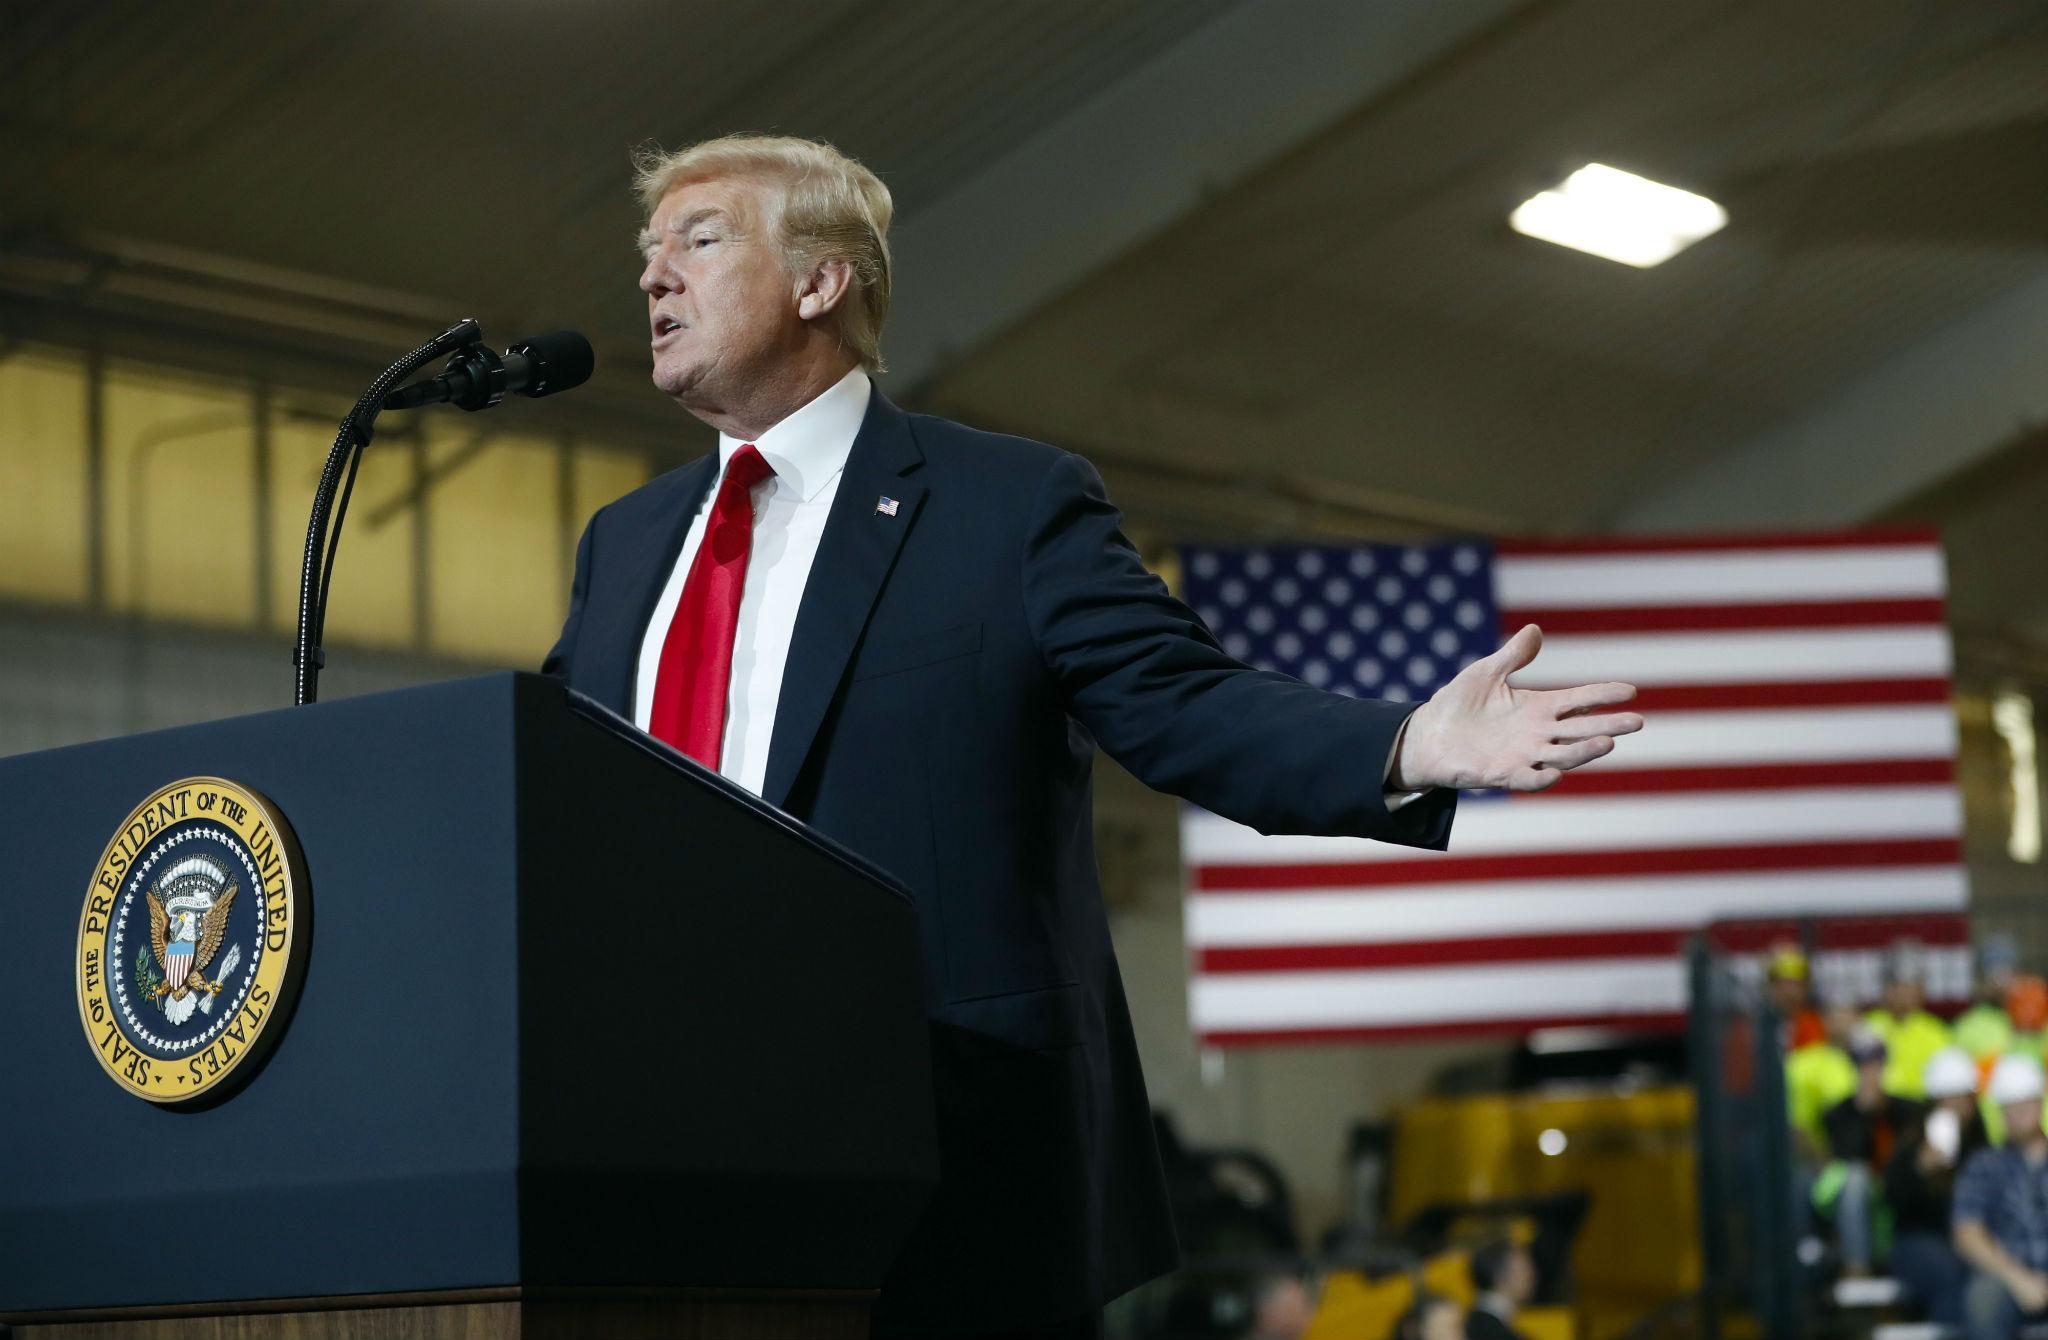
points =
(192, 941)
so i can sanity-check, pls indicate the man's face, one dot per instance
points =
(1902, 996)
(1518, 1282)
(721, 309)
(1788, 996)
(1284, 1310)
(2022, 1117)
(1841, 1020)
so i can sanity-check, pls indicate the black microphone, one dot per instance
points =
(476, 378)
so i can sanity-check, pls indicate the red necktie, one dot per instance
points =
(696, 657)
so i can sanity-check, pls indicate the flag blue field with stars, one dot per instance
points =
(1370, 621)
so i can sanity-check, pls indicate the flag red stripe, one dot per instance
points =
(1443, 953)
(1458, 1028)
(1901, 537)
(1575, 864)
(1932, 929)
(1603, 781)
(1818, 693)
(1727, 618)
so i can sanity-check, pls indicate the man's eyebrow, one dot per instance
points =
(649, 238)
(697, 216)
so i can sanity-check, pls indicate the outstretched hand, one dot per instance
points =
(1479, 731)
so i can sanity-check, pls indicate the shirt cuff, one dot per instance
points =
(1396, 799)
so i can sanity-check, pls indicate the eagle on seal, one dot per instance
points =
(186, 926)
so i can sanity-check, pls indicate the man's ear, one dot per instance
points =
(820, 291)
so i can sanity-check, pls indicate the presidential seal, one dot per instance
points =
(192, 941)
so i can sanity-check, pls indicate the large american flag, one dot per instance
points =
(1799, 761)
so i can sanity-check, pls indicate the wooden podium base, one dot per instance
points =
(493, 1314)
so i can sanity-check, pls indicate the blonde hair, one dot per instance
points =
(832, 208)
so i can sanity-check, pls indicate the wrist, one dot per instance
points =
(1406, 766)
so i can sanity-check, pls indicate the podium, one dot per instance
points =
(589, 1042)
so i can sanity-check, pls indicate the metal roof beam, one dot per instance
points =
(1898, 429)
(1144, 151)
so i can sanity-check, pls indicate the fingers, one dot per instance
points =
(1565, 757)
(1589, 698)
(1586, 727)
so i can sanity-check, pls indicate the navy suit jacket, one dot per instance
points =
(953, 669)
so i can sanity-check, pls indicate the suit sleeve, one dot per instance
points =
(1142, 673)
(558, 660)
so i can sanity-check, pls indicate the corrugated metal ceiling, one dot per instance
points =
(478, 151)
(1362, 313)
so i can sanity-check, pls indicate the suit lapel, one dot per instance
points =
(669, 528)
(855, 554)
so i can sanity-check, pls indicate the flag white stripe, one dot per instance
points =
(1604, 823)
(1741, 577)
(1766, 656)
(1780, 735)
(1378, 997)
(1409, 912)
(1384, 997)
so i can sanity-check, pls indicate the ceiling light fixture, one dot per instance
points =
(1619, 215)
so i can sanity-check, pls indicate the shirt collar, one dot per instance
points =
(810, 446)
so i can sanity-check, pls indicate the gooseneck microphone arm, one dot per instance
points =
(316, 571)
(476, 378)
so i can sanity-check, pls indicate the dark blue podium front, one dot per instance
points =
(576, 1014)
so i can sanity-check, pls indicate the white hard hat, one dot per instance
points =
(1950, 1072)
(2014, 1080)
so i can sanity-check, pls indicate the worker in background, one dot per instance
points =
(1919, 1186)
(1503, 1283)
(1432, 1316)
(2026, 1004)
(2000, 1220)
(1911, 1035)
(1862, 1131)
(1817, 1077)
(1789, 981)
(1282, 1307)
(1985, 1029)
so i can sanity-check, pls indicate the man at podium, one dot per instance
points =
(913, 635)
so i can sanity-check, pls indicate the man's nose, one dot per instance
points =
(656, 279)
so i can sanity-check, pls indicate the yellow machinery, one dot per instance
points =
(1355, 1308)
(1631, 1150)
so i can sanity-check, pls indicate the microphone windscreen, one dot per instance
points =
(562, 360)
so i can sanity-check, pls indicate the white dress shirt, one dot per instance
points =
(808, 452)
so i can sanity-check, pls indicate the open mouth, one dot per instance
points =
(665, 326)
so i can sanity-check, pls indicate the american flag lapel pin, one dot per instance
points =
(886, 505)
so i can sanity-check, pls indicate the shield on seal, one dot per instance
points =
(190, 888)
(178, 964)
